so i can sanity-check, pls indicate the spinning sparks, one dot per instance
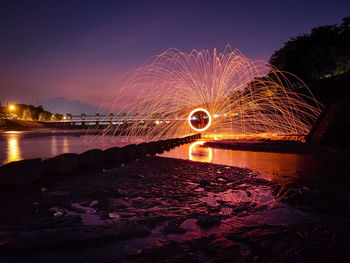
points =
(199, 119)
(230, 94)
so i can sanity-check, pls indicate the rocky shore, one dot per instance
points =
(168, 210)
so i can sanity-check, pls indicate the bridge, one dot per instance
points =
(101, 121)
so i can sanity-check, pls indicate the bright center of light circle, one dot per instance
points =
(199, 119)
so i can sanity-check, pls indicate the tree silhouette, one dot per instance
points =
(322, 54)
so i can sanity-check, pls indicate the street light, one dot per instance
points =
(11, 107)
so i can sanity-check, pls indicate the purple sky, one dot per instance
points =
(77, 49)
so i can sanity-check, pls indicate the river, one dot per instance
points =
(280, 167)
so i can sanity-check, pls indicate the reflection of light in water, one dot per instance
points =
(13, 150)
(65, 145)
(199, 153)
(54, 146)
(281, 167)
(12, 132)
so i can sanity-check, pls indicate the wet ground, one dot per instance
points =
(169, 210)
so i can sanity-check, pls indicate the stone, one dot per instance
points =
(21, 172)
(128, 153)
(61, 164)
(111, 158)
(177, 142)
(172, 143)
(173, 228)
(141, 150)
(166, 145)
(219, 243)
(208, 221)
(91, 159)
(159, 147)
(152, 148)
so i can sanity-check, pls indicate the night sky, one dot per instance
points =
(77, 49)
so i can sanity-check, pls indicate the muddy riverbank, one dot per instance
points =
(163, 209)
(265, 145)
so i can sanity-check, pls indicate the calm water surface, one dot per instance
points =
(273, 166)
(18, 145)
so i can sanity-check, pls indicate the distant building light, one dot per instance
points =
(90, 123)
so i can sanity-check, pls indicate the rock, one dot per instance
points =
(220, 243)
(57, 212)
(173, 228)
(208, 221)
(159, 147)
(122, 192)
(128, 153)
(141, 150)
(204, 183)
(111, 158)
(91, 159)
(172, 143)
(21, 172)
(166, 145)
(152, 148)
(61, 164)
(113, 216)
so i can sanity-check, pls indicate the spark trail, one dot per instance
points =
(243, 97)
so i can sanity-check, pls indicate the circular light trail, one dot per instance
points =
(196, 119)
(203, 155)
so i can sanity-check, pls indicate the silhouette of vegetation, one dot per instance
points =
(28, 112)
(319, 58)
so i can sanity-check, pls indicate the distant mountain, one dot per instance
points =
(63, 106)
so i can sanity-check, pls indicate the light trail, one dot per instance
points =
(242, 98)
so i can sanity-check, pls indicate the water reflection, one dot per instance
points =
(272, 166)
(200, 154)
(280, 167)
(13, 150)
(15, 145)
(65, 145)
(54, 146)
